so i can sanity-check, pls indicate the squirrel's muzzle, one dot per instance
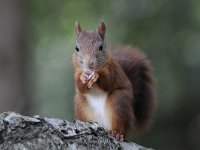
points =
(91, 65)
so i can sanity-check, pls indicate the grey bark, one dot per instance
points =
(19, 132)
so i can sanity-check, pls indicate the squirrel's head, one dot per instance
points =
(90, 49)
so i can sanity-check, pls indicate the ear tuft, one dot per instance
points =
(101, 29)
(77, 28)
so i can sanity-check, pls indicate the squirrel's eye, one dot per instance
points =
(77, 48)
(101, 47)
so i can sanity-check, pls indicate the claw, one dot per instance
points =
(92, 79)
(83, 77)
(91, 75)
(118, 136)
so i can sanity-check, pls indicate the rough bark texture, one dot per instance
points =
(35, 133)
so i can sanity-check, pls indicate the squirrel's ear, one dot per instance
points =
(101, 29)
(77, 28)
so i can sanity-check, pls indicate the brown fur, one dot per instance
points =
(125, 75)
(137, 68)
(114, 81)
(81, 87)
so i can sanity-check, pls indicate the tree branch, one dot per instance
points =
(23, 132)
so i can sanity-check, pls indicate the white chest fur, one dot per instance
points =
(97, 99)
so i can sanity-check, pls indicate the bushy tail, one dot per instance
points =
(138, 69)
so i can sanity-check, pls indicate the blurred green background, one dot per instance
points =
(37, 40)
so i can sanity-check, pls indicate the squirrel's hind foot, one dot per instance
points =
(118, 136)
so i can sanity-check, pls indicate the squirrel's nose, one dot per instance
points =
(91, 65)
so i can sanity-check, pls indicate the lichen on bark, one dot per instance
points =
(36, 133)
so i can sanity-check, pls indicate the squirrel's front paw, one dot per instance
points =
(84, 77)
(93, 77)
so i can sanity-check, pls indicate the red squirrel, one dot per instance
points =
(113, 88)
